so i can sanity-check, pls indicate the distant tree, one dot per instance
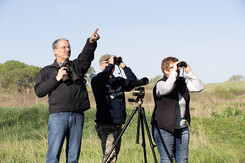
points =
(15, 75)
(18, 76)
(90, 74)
(152, 82)
(236, 78)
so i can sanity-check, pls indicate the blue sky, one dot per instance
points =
(208, 34)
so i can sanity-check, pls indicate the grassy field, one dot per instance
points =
(24, 138)
(217, 129)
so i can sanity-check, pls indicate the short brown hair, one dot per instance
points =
(166, 62)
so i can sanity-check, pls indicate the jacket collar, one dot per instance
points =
(56, 65)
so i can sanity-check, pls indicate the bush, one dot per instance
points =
(228, 112)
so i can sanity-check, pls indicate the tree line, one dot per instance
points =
(15, 75)
(18, 76)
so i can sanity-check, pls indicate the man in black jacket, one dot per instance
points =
(63, 82)
(110, 100)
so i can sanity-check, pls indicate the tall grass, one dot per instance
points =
(217, 127)
(24, 134)
(214, 98)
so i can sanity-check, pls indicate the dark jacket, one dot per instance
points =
(66, 97)
(109, 95)
(164, 113)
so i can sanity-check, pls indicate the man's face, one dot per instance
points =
(63, 51)
(104, 64)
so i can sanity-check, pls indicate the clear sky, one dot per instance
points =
(208, 34)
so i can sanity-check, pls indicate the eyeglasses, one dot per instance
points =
(64, 47)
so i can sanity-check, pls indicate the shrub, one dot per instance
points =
(228, 112)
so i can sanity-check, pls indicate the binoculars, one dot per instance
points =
(71, 74)
(182, 64)
(117, 60)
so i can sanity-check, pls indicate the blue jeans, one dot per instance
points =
(171, 145)
(63, 125)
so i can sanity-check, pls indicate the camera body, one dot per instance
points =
(71, 74)
(182, 64)
(117, 60)
(141, 90)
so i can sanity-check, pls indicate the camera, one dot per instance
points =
(182, 64)
(141, 90)
(140, 95)
(140, 82)
(117, 60)
(71, 74)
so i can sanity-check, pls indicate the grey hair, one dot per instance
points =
(55, 43)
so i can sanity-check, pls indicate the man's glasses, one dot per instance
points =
(64, 47)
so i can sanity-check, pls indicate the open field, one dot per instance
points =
(214, 99)
(24, 134)
(217, 128)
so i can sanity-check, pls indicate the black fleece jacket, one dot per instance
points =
(109, 95)
(63, 97)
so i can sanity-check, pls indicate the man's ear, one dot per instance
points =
(55, 51)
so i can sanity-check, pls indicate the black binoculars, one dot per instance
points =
(71, 74)
(117, 60)
(182, 64)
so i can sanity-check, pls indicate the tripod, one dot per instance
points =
(141, 122)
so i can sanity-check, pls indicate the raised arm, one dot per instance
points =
(194, 84)
(83, 62)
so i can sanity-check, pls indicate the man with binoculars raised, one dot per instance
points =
(63, 82)
(110, 102)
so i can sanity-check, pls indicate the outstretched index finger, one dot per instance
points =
(95, 32)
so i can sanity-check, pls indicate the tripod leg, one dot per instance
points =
(138, 129)
(120, 135)
(149, 135)
(143, 136)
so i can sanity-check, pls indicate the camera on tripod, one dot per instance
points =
(141, 90)
(142, 122)
(71, 74)
(141, 93)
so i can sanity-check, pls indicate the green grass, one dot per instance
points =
(23, 132)
(225, 85)
(220, 138)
